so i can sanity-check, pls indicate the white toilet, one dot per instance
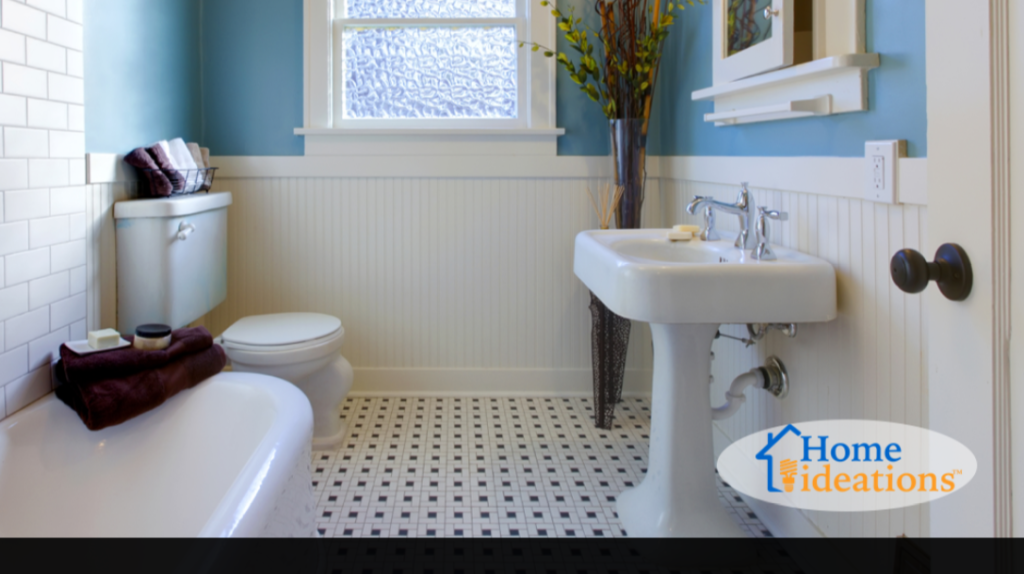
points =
(303, 349)
(172, 267)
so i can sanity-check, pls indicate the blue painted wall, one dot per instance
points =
(249, 98)
(896, 97)
(143, 81)
(252, 76)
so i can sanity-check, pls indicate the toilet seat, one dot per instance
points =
(282, 338)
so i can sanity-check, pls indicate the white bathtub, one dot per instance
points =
(228, 458)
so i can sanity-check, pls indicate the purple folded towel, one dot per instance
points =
(164, 161)
(82, 369)
(115, 400)
(159, 185)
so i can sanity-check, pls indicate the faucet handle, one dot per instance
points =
(763, 251)
(773, 214)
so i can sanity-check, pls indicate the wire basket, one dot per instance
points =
(183, 181)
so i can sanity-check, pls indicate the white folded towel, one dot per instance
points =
(181, 158)
(197, 155)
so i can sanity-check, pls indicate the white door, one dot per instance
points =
(968, 204)
(1014, 22)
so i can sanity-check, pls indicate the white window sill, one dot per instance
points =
(524, 132)
(430, 141)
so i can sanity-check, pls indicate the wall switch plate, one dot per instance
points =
(881, 170)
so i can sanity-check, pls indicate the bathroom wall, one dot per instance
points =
(252, 83)
(252, 89)
(43, 207)
(144, 73)
(252, 77)
(896, 95)
(443, 284)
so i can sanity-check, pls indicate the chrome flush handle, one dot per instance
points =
(763, 251)
(184, 230)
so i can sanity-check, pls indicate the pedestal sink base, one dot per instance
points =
(678, 496)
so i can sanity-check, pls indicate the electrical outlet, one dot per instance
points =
(878, 172)
(881, 170)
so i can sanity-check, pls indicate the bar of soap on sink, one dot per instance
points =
(694, 229)
(680, 235)
(105, 339)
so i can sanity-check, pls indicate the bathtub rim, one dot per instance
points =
(248, 504)
(284, 445)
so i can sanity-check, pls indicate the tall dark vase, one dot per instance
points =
(610, 332)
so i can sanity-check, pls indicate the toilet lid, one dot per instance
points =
(281, 329)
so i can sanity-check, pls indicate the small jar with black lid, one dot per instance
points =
(152, 337)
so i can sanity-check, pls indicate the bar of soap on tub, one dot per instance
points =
(104, 339)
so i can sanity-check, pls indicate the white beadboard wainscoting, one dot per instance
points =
(102, 252)
(870, 363)
(443, 285)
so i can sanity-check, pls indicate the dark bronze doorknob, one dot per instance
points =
(951, 270)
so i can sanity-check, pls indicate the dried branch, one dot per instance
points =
(604, 208)
(632, 38)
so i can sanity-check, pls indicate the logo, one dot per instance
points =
(847, 465)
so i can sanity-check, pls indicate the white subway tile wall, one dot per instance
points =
(42, 202)
(45, 114)
(57, 7)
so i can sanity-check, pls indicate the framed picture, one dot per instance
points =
(751, 37)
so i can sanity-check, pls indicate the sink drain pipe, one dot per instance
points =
(772, 377)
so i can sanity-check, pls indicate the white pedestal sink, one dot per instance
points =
(686, 290)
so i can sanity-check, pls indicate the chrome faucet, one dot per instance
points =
(744, 208)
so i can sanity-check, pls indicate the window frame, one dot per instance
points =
(536, 111)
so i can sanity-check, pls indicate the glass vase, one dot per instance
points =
(628, 157)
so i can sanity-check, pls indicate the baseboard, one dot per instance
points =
(488, 382)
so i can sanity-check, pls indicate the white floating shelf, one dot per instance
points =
(833, 85)
(787, 110)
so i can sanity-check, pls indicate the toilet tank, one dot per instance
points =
(172, 259)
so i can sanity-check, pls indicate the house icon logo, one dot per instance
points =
(847, 465)
(788, 466)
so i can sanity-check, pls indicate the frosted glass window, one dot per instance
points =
(447, 9)
(430, 73)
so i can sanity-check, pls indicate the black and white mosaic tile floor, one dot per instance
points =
(486, 467)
